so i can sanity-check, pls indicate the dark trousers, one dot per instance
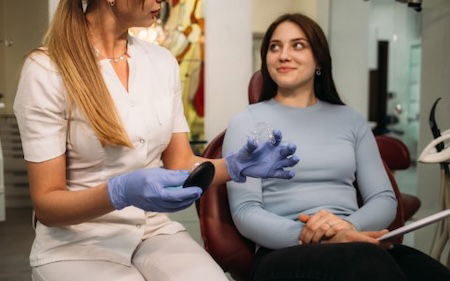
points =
(346, 262)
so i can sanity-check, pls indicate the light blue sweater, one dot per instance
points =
(335, 145)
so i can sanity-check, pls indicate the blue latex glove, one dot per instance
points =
(266, 161)
(146, 189)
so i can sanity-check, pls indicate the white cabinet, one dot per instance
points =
(14, 168)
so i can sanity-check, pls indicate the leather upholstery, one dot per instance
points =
(396, 155)
(255, 87)
(394, 152)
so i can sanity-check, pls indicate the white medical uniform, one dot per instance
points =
(151, 111)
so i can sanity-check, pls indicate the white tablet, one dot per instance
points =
(415, 225)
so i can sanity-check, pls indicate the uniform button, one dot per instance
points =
(141, 140)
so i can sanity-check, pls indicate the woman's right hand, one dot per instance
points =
(146, 189)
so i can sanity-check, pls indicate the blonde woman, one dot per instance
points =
(101, 124)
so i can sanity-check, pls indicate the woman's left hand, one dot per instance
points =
(350, 235)
(262, 161)
(322, 225)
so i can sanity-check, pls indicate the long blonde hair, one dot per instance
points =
(69, 48)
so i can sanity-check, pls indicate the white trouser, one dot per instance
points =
(174, 257)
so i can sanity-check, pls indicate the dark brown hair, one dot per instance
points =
(324, 88)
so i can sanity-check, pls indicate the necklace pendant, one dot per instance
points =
(114, 60)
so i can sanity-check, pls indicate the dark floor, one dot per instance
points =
(16, 237)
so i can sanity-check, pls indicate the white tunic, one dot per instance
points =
(150, 111)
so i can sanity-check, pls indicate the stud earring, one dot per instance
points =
(318, 72)
(111, 3)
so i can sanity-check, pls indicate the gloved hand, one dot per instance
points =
(146, 190)
(266, 161)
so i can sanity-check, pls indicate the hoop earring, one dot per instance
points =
(111, 3)
(318, 72)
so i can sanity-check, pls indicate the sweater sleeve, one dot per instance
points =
(380, 203)
(247, 204)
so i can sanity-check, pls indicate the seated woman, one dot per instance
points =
(310, 227)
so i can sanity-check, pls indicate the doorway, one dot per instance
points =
(398, 27)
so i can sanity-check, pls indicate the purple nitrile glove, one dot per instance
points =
(146, 189)
(265, 161)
